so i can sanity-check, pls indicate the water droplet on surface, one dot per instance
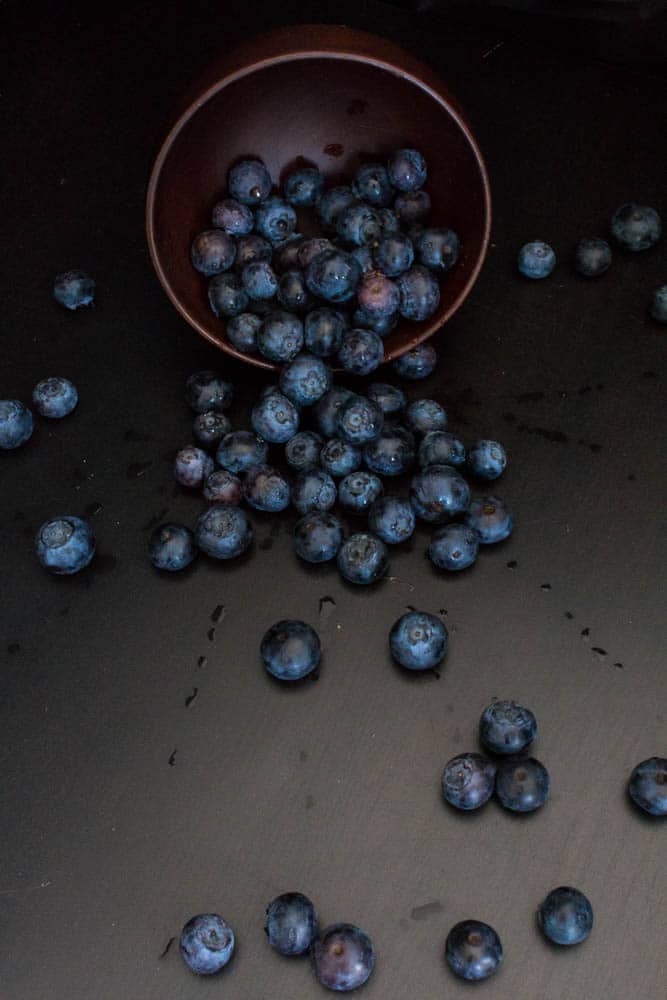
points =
(191, 697)
(218, 613)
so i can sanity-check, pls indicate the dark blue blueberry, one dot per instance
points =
(318, 536)
(636, 227)
(332, 203)
(54, 397)
(473, 950)
(507, 727)
(326, 410)
(389, 222)
(487, 460)
(192, 466)
(359, 224)
(314, 489)
(242, 331)
(382, 325)
(565, 916)
(343, 957)
(226, 295)
(490, 518)
(323, 331)
(522, 785)
(212, 252)
(441, 448)
(392, 519)
(259, 280)
(291, 921)
(74, 289)
(16, 424)
(281, 336)
(303, 450)
(286, 253)
(305, 380)
(536, 259)
(425, 415)
(339, 457)
(206, 944)
(249, 182)
(420, 293)
(291, 650)
(239, 450)
(65, 545)
(310, 248)
(417, 363)
(208, 391)
(304, 186)
(392, 453)
(333, 275)
(251, 248)
(439, 493)
(407, 169)
(171, 547)
(275, 220)
(438, 249)
(364, 258)
(361, 351)
(209, 428)
(233, 217)
(394, 254)
(468, 780)
(412, 207)
(418, 640)
(275, 418)
(223, 486)
(371, 184)
(592, 257)
(264, 488)
(293, 292)
(362, 558)
(648, 786)
(389, 398)
(378, 295)
(359, 420)
(453, 547)
(658, 307)
(223, 531)
(358, 491)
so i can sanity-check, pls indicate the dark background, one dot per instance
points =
(129, 805)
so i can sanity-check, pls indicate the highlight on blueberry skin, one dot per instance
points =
(361, 352)
(417, 363)
(438, 248)
(487, 460)
(207, 390)
(249, 182)
(536, 260)
(223, 487)
(265, 488)
(293, 293)
(171, 547)
(291, 923)
(210, 427)
(232, 217)
(318, 537)
(506, 727)
(647, 786)
(238, 450)
(65, 545)
(16, 424)
(343, 957)
(439, 493)
(658, 305)
(275, 418)
(419, 293)
(305, 379)
(74, 289)
(592, 257)
(212, 252)
(304, 186)
(406, 169)
(392, 519)
(468, 781)
(473, 950)
(314, 489)
(441, 448)
(522, 785)
(490, 518)
(418, 641)
(206, 944)
(453, 547)
(391, 453)
(389, 398)
(636, 227)
(565, 916)
(223, 531)
(54, 397)
(192, 466)
(358, 491)
(362, 559)
(290, 650)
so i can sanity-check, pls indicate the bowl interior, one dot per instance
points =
(335, 113)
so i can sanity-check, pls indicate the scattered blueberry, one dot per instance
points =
(275, 418)
(419, 293)
(439, 493)
(565, 916)
(293, 292)
(259, 280)
(238, 450)
(393, 254)
(318, 537)
(522, 785)
(453, 547)
(358, 491)
(392, 519)
(291, 650)
(359, 420)
(417, 363)
(636, 227)
(303, 450)
(343, 957)
(362, 558)
(314, 489)
(592, 257)
(233, 217)
(658, 307)
(223, 486)
(264, 488)
(339, 457)
(391, 453)
(468, 780)
(305, 380)
(418, 641)
(332, 203)
(372, 185)
(207, 390)
(389, 398)
(251, 248)
(65, 545)
(378, 295)
(242, 331)
(291, 923)
(206, 944)
(281, 336)
(249, 182)
(212, 252)
(16, 424)
(171, 547)
(304, 186)
(361, 352)
(536, 259)
(487, 460)
(192, 466)
(223, 531)
(407, 169)
(648, 786)
(424, 415)
(438, 249)
(413, 207)
(210, 427)
(473, 950)
(333, 275)
(275, 219)
(490, 518)
(226, 295)
(74, 289)
(507, 727)
(326, 410)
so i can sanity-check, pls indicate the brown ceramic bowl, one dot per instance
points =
(336, 97)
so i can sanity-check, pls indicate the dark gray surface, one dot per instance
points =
(331, 788)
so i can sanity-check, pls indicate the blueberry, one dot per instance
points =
(207, 390)
(412, 207)
(249, 182)
(418, 640)
(358, 491)
(658, 307)
(326, 410)
(362, 558)
(453, 547)
(290, 650)
(74, 289)
(507, 727)
(361, 352)
(522, 785)
(390, 224)
(281, 336)
(210, 427)
(392, 453)
(310, 249)
(233, 217)
(565, 916)
(407, 169)
(251, 248)
(286, 253)
(339, 457)
(314, 489)
(305, 380)
(242, 331)
(65, 545)
(394, 254)
(473, 950)
(438, 493)
(419, 292)
(318, 537)
(371, 184)
(293, 292)
(382, 325)
(425, 415)
(275, 220)
(264, 488)
(468, 780)
(304, 186)
(536, 259)
(223, 486)
(592, 257)
(343, 957)
(332, 203)
(359, 420)
(206, 944)
(333, 275)
(487, 460)
(259, 280)
(323, 331)
(648, 786)
(636, 227)
(438, 249)
(392, 519)
(212, 252)
(441, 448)
(16, 424)
(226, 295)
(490, 518)
(389, 398)
(238, 450)
(223, 531)
(171, 547)
(359, 224)
(303, 450)
(275, 418)
(378, 295)
(192, 466)
(291, 922)
(364, 258)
